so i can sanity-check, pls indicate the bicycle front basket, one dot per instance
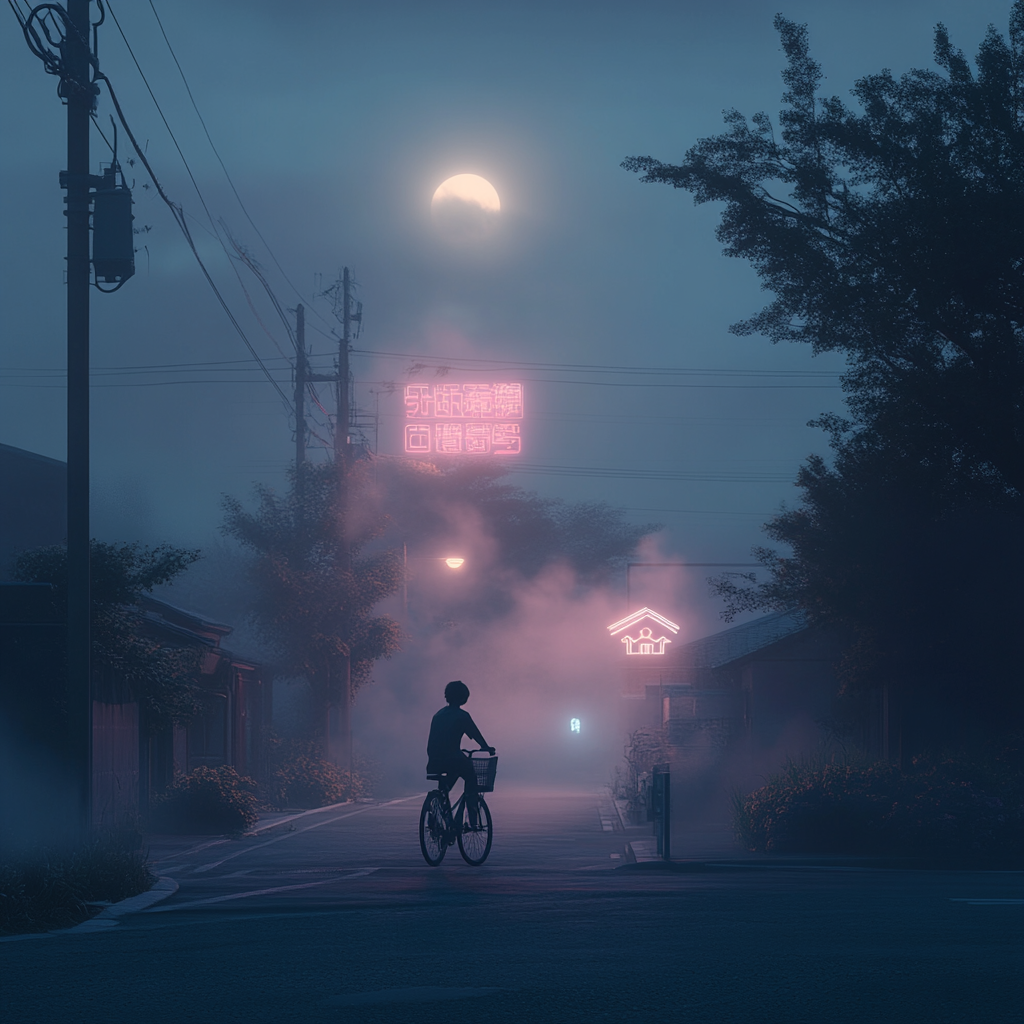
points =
(485, 768)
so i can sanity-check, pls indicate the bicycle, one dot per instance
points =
(442, 825)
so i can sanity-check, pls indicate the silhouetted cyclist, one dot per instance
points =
(444, 745)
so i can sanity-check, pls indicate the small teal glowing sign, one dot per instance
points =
(574, 725)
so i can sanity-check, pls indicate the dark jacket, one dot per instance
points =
(447, 728)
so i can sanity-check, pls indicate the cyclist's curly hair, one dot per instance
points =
(456, 692)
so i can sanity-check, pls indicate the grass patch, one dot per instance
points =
(44, 889)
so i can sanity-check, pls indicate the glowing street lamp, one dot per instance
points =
(454, 563)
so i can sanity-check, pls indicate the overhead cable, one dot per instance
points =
(179, 218)
(450, 363)
(223, 166)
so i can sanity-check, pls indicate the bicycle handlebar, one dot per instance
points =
(481, 750)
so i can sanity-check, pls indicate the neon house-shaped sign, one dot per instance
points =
(644, 623)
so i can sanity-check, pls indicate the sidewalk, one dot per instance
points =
(164, 847)
(714, 846)
(706, 841)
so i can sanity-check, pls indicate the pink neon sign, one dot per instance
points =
(645, 642)
(463, 419)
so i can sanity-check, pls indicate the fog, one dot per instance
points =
(336, 124)
(529, 674)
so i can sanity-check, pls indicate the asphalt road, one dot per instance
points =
(335, 918)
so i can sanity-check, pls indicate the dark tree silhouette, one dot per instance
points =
(894, 234)
(429, 502)
(164, 679)
(312, 596)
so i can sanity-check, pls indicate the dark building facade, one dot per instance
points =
(133, 760)
(734, 705)
(33, 503)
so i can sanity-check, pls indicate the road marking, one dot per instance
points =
(259, 892)
(298, 832)
(171, 857)
(988, 903)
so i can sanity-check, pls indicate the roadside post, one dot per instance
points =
(662, 806)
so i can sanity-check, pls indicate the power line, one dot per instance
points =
(696, 511)
(444, 363)
(223, 166)
(713, 387)
(603, 472)
(160, 111)
(327, 355)
(179, 218)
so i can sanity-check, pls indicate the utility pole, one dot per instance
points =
(80, 96)
(339, 723)
(341, 462)
(300, 396)
(60, 38)
(341, 431)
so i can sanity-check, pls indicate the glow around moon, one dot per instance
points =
(466, 210)
(470, 189)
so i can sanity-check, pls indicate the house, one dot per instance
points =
(132, 761)
(33, 503)
(233, 727)
(735, 704)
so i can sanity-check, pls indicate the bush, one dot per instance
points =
(952, 810)
(646, 748)
(819, 808)
(53, 888)
(208, 800)
(305, 780)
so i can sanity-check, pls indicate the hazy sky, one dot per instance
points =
(337, 121)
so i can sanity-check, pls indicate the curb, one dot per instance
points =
(171, 858)
(110, 916)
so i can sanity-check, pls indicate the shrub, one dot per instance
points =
(306, 780)
(646, 748)
(818, 808)
(53, 888)
(952, 810)
(208, 800)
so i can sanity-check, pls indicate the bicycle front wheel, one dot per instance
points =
(475, 843)
(433, 841)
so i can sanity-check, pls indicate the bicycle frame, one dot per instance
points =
(452, 815)
(442, 825)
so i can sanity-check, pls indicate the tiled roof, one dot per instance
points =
(740, 641)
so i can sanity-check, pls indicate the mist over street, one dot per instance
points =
(512, 511)
(345, 922)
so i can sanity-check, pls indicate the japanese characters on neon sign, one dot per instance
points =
(645, 642)
(463, 419)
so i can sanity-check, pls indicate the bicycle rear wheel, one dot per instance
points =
(433, 843)
(475, 843)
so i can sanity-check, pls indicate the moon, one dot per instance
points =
(466, 208)
(470, 189)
